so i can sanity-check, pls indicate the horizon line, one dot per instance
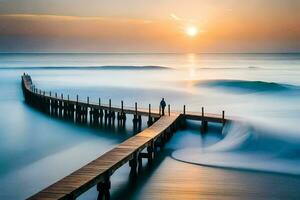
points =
(284, 52)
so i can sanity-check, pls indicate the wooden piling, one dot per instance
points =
(133, 163)
(150, 151)
(121, 115)
(204, 123)
(223, 117)
(109, 114)
(122, 106)
(135, 119)
(150, 120)
(103, 189)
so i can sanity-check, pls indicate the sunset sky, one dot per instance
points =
(149, 26)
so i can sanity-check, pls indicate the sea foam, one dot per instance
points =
(247, 147)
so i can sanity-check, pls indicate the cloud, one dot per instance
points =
(67, 26)
(175, 17)
(29, 32)
(35, 17)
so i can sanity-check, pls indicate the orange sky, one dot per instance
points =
(259, 26)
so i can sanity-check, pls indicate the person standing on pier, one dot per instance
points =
(163, 106)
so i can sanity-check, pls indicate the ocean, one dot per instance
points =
(257, 151)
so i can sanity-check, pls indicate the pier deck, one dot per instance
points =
(98, 172)
(103, 167)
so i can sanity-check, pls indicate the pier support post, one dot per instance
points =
(96, 117)
(160, 143)
(150, 151)
(133, 165)
(223, 118)
(139, 123)
(140, 162)
(61, 107)
(120, 116)
(77, 110)
(119, 119)
(100, 113)
(87, 109)
(113, 117)
(92, 115)
(150, 120)
(204, 124)
(51, 107)
(135, 119)
(105, 117)
(109, 114)
(72, 112)
(183, 119)
(103, 189)
(85, 113)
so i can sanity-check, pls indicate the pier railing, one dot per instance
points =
(100, 113)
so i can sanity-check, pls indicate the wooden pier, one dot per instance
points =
(143, 145)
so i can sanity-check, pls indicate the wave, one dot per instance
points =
(246, 147)
(248, 86)
(224, 68)
(108, 67)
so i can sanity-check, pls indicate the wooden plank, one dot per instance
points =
(89, 175)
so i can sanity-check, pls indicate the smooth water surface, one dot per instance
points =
(261, 90)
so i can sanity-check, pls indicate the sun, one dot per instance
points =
(191, 31)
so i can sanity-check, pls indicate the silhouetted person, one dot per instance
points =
(162, 106)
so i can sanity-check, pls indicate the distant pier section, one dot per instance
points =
(144, 144)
